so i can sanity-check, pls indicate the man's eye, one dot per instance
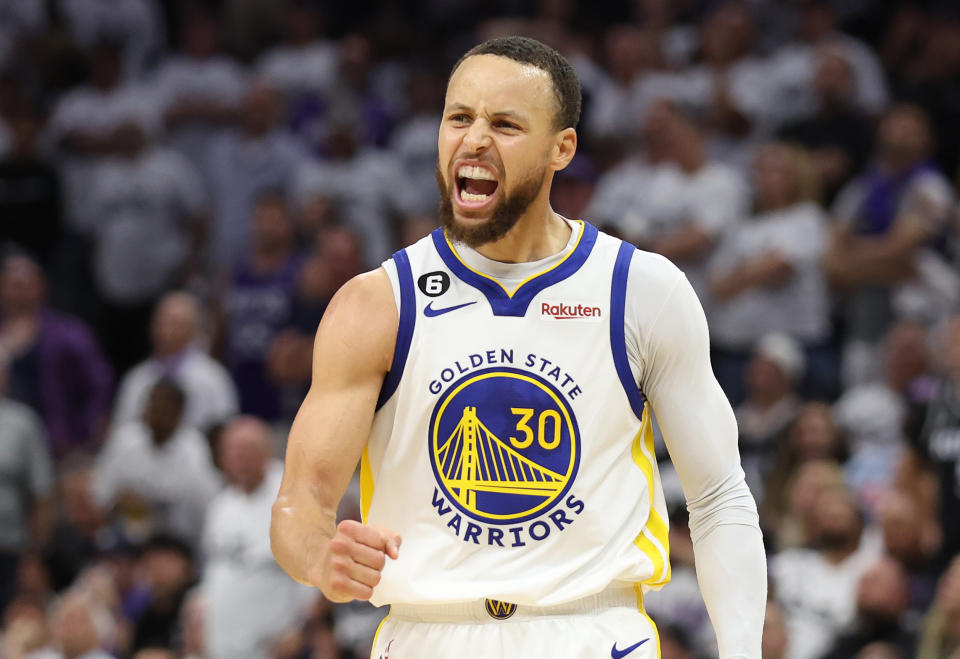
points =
(459, 118)
(505, 124)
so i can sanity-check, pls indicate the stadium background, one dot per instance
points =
(183, 186)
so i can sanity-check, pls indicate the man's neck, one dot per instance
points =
(537, 235)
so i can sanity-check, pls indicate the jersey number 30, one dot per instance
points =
(525, 414)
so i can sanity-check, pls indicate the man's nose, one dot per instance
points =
(477, 138)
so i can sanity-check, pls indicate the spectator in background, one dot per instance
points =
(79, 533)
(794, 66)
(335, 259)
(168, 569)
(250, 601)
(691, 200)
(85, 122)
(304, 65)
(200, 89)
(366, 185)
(616, 106)
(242, 166)
(26, 487)
(813, 439)
(157, 473)
(771, 404)
(929, 73)
(911, 539)
(176, 334)
(873, 414)
(136, 24)
(54, 363)
(817, 587)
(775, 639)
(941, 632)
(148, 217)
(765, 274)
(80, 629)
(414, 141)
(193, 616)
(258, 303)
(886, 253)
(838, 136)
(930, 471)
(882, 600)
(30, 202)
(25, 630)
(729, 86)
(358, 91)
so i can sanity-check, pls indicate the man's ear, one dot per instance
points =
(564, 149)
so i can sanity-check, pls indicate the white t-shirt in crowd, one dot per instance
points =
(415, 144)
(711, 199)
(618, 191)
(211, 396)
(311, 68)
(793, 69)
(183, 79)
(136, 24)
(96, 112)
(239, 169)
(366, 191)
(250, 599)
(178, 479)
(818, 597)
(800, 306)
(139, 212)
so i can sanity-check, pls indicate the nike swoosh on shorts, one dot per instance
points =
(618, 654)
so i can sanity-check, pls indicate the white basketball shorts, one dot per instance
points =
(609, 625)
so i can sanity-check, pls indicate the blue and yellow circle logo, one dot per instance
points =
(504, 445)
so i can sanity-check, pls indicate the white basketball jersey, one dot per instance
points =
(509, 448)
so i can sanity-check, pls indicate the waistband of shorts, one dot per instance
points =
(480, 610)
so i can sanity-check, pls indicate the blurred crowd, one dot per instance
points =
(184, 185)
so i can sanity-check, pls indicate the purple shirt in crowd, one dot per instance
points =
(258, 306)
(66, 379)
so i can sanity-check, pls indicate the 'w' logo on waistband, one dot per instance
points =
(500, 610)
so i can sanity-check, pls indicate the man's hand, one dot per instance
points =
(354, 560)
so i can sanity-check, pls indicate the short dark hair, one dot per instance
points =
(566, 85)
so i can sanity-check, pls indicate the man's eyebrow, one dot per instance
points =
(461, 107)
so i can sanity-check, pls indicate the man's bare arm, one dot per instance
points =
(352, 354)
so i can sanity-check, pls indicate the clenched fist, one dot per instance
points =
(354, 559)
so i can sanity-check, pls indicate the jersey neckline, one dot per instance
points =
(514, 303)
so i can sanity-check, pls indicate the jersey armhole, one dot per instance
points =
(618, 342)
(401, 280)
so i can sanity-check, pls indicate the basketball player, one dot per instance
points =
(496, 382)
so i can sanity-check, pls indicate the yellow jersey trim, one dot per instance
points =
(654, 539)
(366, 485)
(376, 636)
(510, 293)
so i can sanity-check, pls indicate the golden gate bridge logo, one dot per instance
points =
(487, 475)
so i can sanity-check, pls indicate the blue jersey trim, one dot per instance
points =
(506, 304)
(408, 318)
(618, 342)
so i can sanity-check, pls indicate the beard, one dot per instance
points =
(503, 217)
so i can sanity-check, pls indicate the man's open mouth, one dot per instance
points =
(475, 185)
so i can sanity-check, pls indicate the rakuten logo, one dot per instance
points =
(570, 311)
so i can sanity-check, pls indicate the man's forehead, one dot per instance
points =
(499, 81)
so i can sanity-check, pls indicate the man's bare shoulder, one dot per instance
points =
(362, 319)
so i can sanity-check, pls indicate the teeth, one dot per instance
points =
(466, 171)
(466, 196)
